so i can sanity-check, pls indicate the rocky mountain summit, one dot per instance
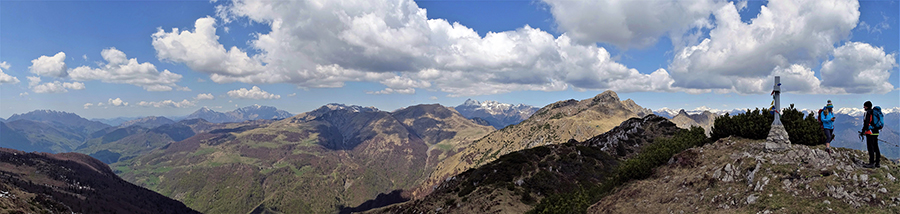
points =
(738, 175)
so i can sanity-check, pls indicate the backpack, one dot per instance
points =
(819, 116)
(878, 118)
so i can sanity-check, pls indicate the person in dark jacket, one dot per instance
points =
(871, 137)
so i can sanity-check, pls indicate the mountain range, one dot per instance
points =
(253, 112)
(497, 114)
(335, 158)
(56, 131)
(47, 131)
(347, 158)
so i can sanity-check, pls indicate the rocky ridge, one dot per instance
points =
(746, 176)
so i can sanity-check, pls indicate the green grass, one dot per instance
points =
(204, 151)
(445, 146)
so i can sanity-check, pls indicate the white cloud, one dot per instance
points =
(433, 98)
(292, 94)
(34, 82)
(739, 56)
(88, 105)
(201, 80)
(74, 85)
(254, 93)
(54, 66)
(627, 23)
(201, 51)
(120, 69)
(117, 102)
(392, 91)
(23, 94)
(391, 42)
(859, 68)
(204, 97)
(167, 103)
(325, 44)
(56, 87)
(84, 56)
(6, 78)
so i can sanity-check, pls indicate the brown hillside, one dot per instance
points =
(336, 158)
(704, 120)
(72, 183)
(517, 181)
(554, 124)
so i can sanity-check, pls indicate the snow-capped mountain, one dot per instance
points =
(670, 113)
(496, 113)
(239, 115)
(353, 108)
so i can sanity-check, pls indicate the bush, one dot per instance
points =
(638, 167)
(756, 124)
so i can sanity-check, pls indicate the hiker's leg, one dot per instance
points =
(870, 148)
(877, 151)
(829, 135)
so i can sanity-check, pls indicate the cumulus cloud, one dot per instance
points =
(6, 78)
(53, 66)
(325, 44)
(23, 94)
(201, 51)
(117, 102)
(36, 86)
(167, 104)
(627, 23)
(739, 56)
(254, 93)
(119, 69)
(204, 97)
(88, 105)
(859, 68)
(390, 42)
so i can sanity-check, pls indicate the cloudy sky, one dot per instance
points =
(103, 59)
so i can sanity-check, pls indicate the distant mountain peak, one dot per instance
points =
(471, 102)
(496, 113)
(607, 96)
(354, 108)
(251, 112)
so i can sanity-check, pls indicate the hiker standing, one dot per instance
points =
(826, 117)
(872, 123)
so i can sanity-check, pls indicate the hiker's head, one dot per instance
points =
(829, 107)
(867, 105)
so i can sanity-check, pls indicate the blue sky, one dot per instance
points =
(298, 56)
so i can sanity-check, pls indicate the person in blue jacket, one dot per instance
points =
(827, 118)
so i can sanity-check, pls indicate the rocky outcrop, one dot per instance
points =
(627, 138)
(735, 175)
